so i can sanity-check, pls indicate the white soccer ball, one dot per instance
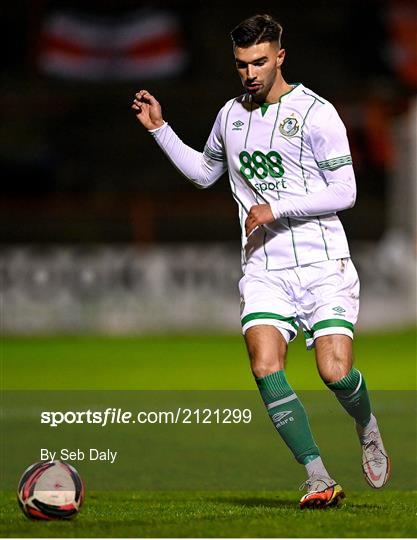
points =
(50, 490)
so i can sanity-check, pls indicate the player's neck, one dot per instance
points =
(279, 88)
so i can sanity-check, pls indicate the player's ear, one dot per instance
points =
(280, 57)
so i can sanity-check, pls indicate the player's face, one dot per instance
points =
(258, 66)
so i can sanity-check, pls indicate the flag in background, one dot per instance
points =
(135, 46)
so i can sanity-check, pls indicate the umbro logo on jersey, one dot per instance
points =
(339, 310)
(238, 125)
(280, 418)
(289, 127)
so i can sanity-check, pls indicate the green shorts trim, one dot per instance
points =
(328, 323)
(268, 315)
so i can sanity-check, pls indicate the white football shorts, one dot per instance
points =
(322, 298)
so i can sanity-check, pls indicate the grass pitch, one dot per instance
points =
(215, 363)
(222, 514)
(388, 362)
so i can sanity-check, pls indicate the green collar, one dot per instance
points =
(264, 108)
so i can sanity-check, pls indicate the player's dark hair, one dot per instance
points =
(256, 29)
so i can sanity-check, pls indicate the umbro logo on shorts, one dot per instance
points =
(339, 310)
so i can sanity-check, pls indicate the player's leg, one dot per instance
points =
(334, 362)
(267, 349)
(332, 305)
(268, 324)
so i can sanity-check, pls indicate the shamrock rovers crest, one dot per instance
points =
(289, 127)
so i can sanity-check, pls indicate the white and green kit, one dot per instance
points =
(295, 156)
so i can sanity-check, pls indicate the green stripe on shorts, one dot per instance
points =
(268, 315)
(329, 323)
(308, 334)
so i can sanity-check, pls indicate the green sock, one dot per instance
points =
(352, 394)
(288, 416)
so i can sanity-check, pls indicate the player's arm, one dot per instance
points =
(331, 150)
(201, 168)
(330, 146)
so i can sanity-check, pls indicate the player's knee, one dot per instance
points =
(335, 368)
(333, 375)
(265, 365)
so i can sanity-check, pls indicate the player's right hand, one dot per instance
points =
(148, 110)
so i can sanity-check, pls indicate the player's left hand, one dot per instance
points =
(258, 215)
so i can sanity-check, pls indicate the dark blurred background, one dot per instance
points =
(77, 167)
(101, 234)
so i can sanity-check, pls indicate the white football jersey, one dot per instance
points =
(293, 155)
(280, 152)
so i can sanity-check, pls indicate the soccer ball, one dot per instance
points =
(50, 490)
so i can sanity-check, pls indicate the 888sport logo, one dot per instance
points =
(261, 165)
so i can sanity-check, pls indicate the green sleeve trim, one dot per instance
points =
(335, 163)
(329, 323)
(268, 315)
(213, 154)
